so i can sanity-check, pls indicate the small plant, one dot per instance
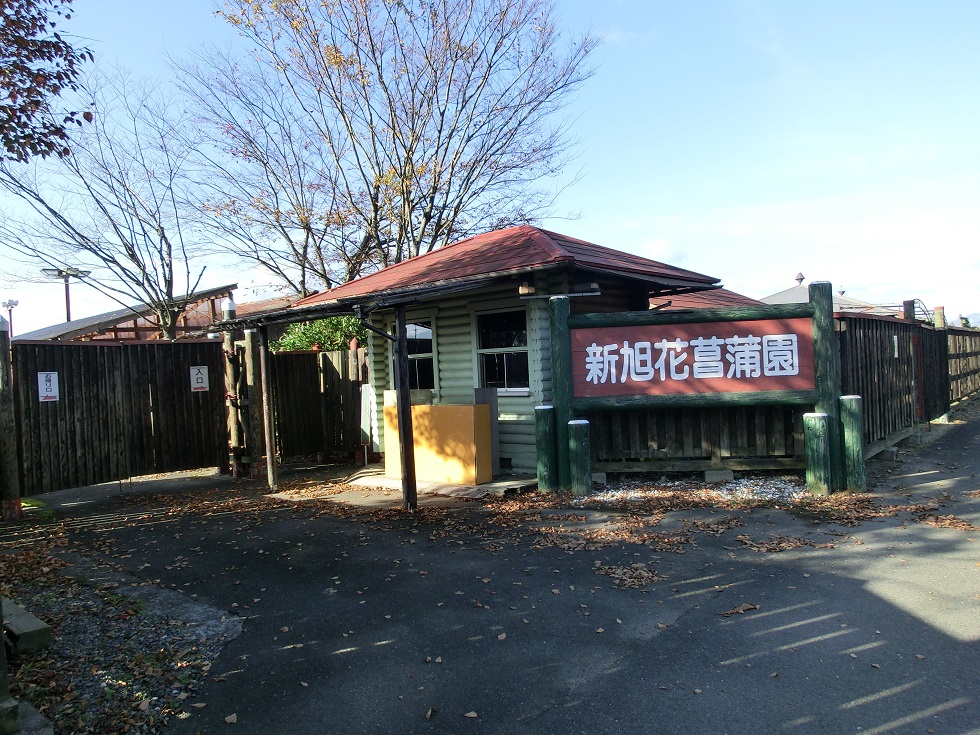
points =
(333, 333)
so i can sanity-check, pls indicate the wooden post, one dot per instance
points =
(9, 472)
(580, 457)
(939, 318)
(545, 439)
(852, 417)
(816, 446)
(406, 437)
(908, 310)
(10, 495)
(827, 372)
(254, 445)
(561, 382)
(232, 401)
(324, 367)
(268, 417)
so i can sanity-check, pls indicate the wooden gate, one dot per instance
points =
(92, 412)
(317, 403)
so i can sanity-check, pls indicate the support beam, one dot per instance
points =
(9, 466)
(545, 439)
(254, 442)
(852, 417)
(816, 445)
(268, 416)
(406, 437)
(561, 381)
(235, 442)
(580, 457)
(827, 373)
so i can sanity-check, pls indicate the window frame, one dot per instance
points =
(416, 319)
(480, 351)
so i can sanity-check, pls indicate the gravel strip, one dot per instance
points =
(126, 655)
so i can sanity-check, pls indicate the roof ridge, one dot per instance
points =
(544, 239)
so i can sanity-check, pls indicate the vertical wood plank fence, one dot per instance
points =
(123, 410)
(906, 372)
(964, 362)
(317, 403)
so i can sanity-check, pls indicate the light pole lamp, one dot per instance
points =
(66, 274)
(9, 305)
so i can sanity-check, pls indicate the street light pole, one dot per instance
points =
(9, 306)
(66, 274)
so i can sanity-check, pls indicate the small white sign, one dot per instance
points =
(47, 387)
(199, 378)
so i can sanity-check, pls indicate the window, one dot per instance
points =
(421, 373)
(502, 351)
(421, 366)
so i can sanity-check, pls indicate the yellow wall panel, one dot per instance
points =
(452, 444)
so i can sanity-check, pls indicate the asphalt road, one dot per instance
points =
(466, 619)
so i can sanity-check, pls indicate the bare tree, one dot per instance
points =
(112, 206)
(36, 65)
(266, 191)
(437, 117)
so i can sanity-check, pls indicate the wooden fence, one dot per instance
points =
(744, 437)
(121, 410)
(317, 402)
(964, 362)
(906, 372)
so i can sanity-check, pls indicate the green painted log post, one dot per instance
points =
(546, 440)
(580, 457)
(827, 373)
(10, 493)
(852, 417)
(816, 446)
(9, 466)
(561, 381)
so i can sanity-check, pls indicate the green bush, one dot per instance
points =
(332, 333)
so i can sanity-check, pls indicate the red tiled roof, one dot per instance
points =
(716, 298)
(512, 250)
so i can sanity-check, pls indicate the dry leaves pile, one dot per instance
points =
(779, 542)
(634, 575)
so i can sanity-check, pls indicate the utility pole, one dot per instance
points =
(66, 274)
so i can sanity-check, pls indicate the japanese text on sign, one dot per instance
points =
(47, 387)
(693, 358)
(199, 378)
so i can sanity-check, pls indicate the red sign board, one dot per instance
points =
(709, 357)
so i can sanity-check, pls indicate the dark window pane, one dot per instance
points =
(518, 375)
(419, 338)
(500, 331)
(505, 370)
(420, 373)
(493, 371)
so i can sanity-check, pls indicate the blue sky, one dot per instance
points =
(746, 139)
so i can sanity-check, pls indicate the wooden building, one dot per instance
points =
(477, 315)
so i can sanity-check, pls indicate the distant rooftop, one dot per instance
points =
(131, 319)
(800, 294)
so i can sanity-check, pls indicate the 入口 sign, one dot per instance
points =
(709, 357)
(199, 378)
(47, 387)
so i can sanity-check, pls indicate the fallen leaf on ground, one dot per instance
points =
(429, 712)
(740, 610)
(502, 636)
(470, 714)
(231, 719)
